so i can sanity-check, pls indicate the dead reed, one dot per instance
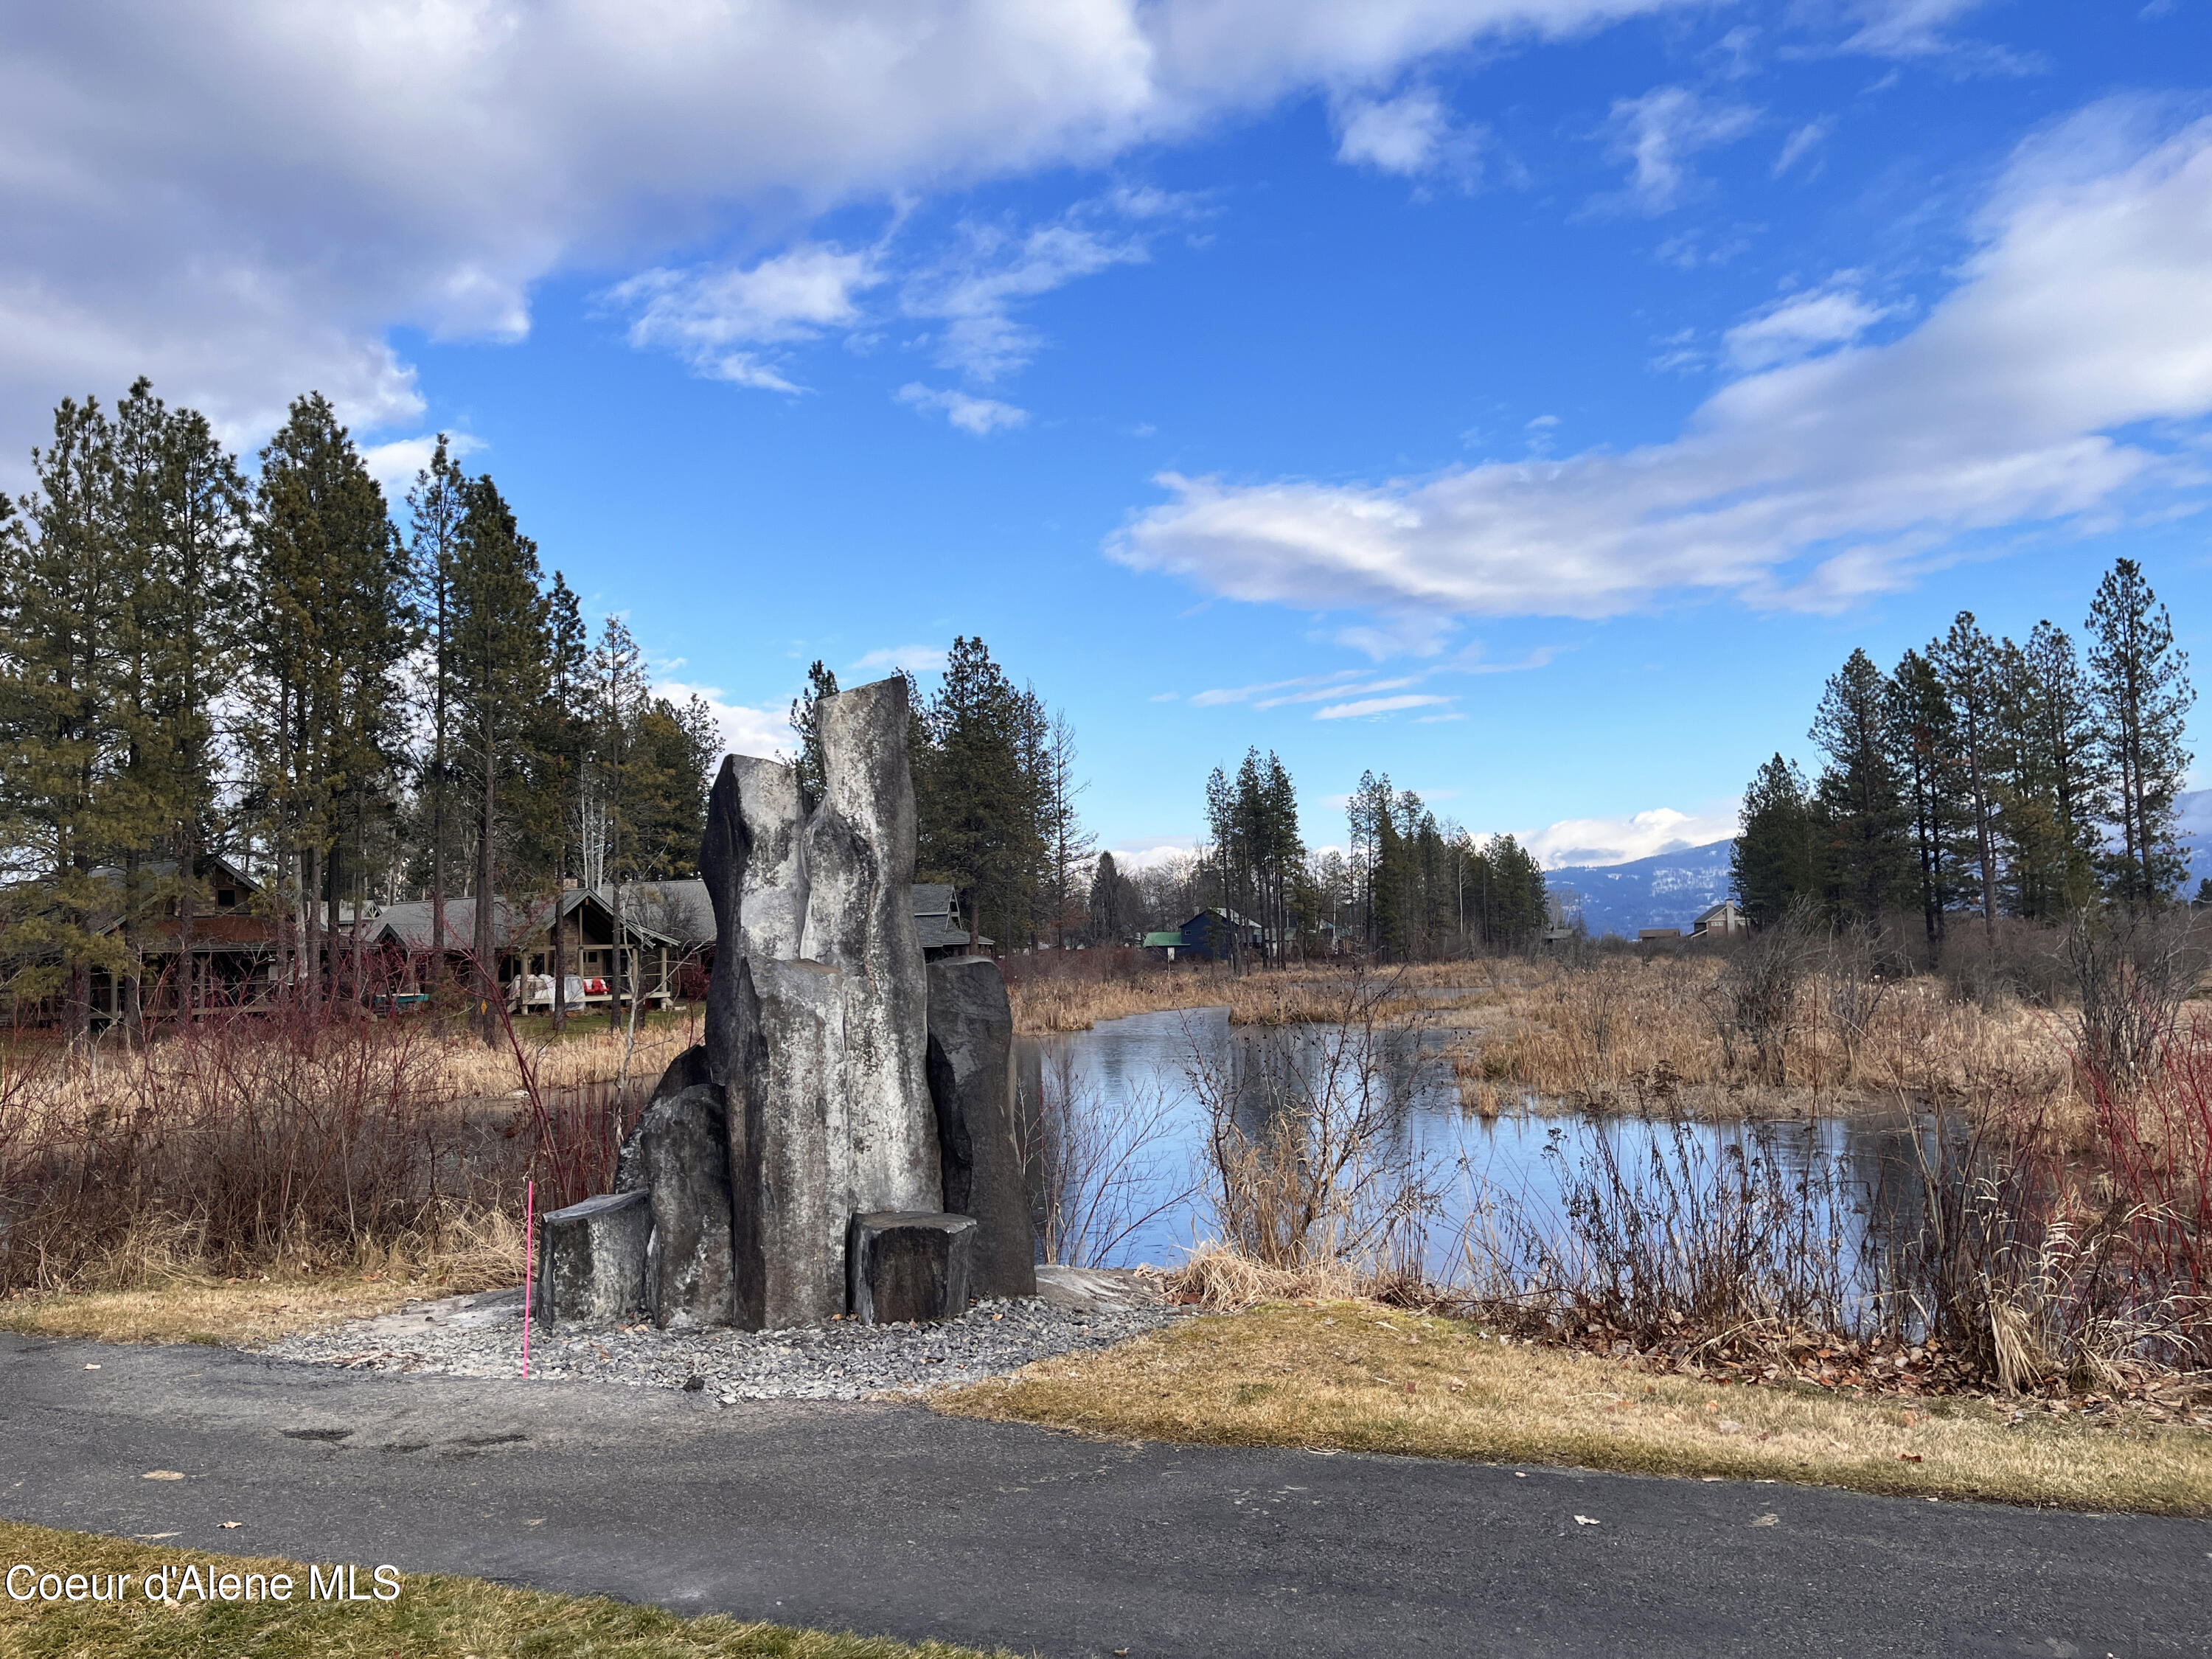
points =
(303, 1139)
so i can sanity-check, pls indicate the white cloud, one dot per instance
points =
(981, 415)
(1800, 325)
(2086, 311)
(1658, 133)
(1905, 28)
(1362, 707)
(395, 465)
(711, 318)
(914, 659)
(242, 198)
(1802, 142)
(763, 732)
(1617, 841)
(975, 288)
(1153, 852)
(1411, 134)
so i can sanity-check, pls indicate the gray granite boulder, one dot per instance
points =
(971, 1085)
(859, 854)
(679, 1153)
(590, 1260)
(905, 1265)
(817, 1015)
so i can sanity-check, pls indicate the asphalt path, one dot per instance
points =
(890, 1520)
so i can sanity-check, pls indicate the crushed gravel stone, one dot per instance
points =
(482, 1336)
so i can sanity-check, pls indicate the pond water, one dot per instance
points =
(1141, 1070)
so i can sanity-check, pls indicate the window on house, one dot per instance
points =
(227, 897)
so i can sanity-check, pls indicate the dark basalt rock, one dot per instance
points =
(971, 1085)
(908, 1265)
(590, 1260)
(679, 1153)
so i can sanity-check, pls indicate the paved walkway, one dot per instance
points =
(887, 1519)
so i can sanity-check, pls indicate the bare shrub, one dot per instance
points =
(1096, 1175)
(1755, 1006)
(298, 1138)
(1696, 1237)
(1305, 1152)
(2132, 969)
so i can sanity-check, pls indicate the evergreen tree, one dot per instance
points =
(1776, 858)
(330, 623)
(2139, 688)
(979, 804)
(1860, 806)
(2043, 720)
(1966, 660)
(498, 663)
(65, 588)
(1921, 744)
(821, 683)
(436, 505)
(1115, 909)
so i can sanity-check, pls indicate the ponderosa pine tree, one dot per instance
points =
(2139, 688)
(498, 662)
(61, 597)
(978, 805)
(1861, 811)
(329, 623)
(437, 506)
(1921, 744)
(1776, 860)
(821, 683)
(2045, 734)
(1966, 660)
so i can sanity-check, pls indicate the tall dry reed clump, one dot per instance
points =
(1776, 1025)
(1073, 990)
(302, 1139)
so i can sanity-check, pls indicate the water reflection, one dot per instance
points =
(1522, 1159)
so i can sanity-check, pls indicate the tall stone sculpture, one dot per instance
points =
(802, 1141)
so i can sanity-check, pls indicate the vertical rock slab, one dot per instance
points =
(905, 1265)
(591, 1258)
(752, 860)
(971, 1086)
(787, 1135)
(679, 1155)
(859, 859)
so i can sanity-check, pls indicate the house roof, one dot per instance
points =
(932, 898)
(679, 910)
(409, 925)
(1720, 910)
(1154, 940)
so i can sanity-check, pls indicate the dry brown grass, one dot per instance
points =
(160, 1293)
(1641, 1035)
(1045, 1003)
(1361, 1377)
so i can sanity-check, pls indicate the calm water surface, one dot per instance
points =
(1130, 1065)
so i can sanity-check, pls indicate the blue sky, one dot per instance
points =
(1534, 399)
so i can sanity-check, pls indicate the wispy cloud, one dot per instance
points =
(1802, 142)
(981, 415)
(2046, 388)
(1411, 135)
(914, 659)
(1363, 707)
(1658, 133)
(1800, 325)
(717, 318)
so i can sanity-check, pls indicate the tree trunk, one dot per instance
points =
(486, 940)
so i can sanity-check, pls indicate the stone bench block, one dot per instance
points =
(971, 1084)
(908, 1265)
(592, 1259)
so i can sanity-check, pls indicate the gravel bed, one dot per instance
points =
(836, 1362)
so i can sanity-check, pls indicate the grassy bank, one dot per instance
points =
(433, 1618)
(231, 1313)
(1354, 1377)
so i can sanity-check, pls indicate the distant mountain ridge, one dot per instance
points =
(1669, 890)
(1666, 890)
